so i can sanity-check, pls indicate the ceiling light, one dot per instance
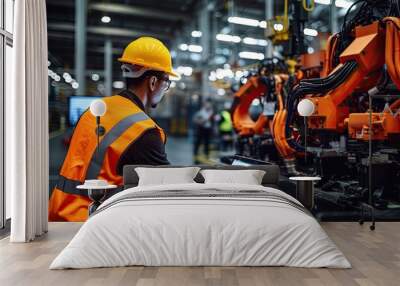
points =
(212, 76)
(196, 34)
(186, 71)
(221, 91)
(262, 42)
(343, 4)
(182, 85)
(255, 42)
(323, 2)
(228, 38)
(251, 55)
(195, 48)
(183, 47)
(263, 24)
(250, 41)
(106, 19)
(75, 85)
(118, 84)
(224, 73)
(219, 60)
(223, 51)
(278, 27)
(244, 21)
(195, 57)
(310, 32)
(310, 50)
(225, 30)
(95, 77)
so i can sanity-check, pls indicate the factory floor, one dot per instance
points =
(374, 255)
(180, 152)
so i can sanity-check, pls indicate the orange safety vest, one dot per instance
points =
(124, 122)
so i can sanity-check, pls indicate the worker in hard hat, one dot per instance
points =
(130, 137)
(225, 127)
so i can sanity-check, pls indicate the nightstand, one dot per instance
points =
(305, 190)
(96, 194)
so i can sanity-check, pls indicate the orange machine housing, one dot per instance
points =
(331, 109)
(312, 65)
(383, 124)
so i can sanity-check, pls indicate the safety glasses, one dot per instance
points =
(166, 82)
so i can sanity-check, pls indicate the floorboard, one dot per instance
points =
(375, 257)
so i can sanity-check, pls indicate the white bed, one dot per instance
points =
(225, 225)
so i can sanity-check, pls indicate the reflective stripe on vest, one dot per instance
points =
(97, 160)
(69, 186)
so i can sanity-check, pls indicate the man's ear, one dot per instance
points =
(152, 83)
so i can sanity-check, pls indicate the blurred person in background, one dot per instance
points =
(203, 121)
(130, 136)
(225, 127)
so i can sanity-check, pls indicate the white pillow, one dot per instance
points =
(248, 177)
(166, 176)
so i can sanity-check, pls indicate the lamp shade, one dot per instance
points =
(306, 107)
(98, 107)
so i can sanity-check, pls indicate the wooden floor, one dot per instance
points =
(375, 257)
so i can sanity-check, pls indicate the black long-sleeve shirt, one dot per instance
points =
(148, 149)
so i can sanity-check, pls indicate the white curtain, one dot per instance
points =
(27, 123)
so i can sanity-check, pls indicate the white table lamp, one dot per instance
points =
(98, 108)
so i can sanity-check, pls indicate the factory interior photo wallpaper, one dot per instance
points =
(200, 142)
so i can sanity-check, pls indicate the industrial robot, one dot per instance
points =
(357, 103)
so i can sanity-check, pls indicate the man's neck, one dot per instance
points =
(140, 94)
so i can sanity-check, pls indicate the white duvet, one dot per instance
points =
(203, 231)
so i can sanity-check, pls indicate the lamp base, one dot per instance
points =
(97, 196)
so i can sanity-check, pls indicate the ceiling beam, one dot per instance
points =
(107, 31)
(139, 11)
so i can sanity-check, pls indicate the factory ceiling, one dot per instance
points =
(172, 21)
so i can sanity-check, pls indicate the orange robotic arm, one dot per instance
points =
(392, 52)
(366, 60)
(245, 126)
(359, 61)
(278, 123)
(369, 59)
(386, 123)
(330, 112)
(241, 120)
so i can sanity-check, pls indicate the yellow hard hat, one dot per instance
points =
(150, 53)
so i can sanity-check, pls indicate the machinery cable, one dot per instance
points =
(304, 88)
